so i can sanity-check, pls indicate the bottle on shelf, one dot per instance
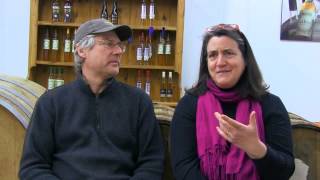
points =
(104, 12)
(59, 79)
(131, 49)
(146, 52)
(73, 44)
(170, 86)
(46, 45)
(149, 43)
(139, 79)
(143, 11)
(51, 78)
(168, 50)
(160, 51)
(140, 49)
(114, 13)
(148, 82)
(67, 46)
(152, 14)
(67, 11)
(55, 46)
(55, 10)
(163, 86)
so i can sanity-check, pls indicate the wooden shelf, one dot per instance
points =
(58, 63)
(171, 104)
(168, 28)
(147, 67)
(169, 14)
(55, 63)
(55, 24)
(134, 27)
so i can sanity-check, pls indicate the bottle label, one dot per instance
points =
(55, 44)
(168, 49)
(169, 93)
(139, 54)
(163, 92)
(59, 82)
(67, 8)
(51, 83)
(143, 11)
(151, 12)
(150, 51)
(146, 54)
(114, 19)
(67, 11)
(46, 44)
(147, 88)
(139, 84)
(160, 48)
(55, 8)
(55, 12)
(72, 49)
(67, 45)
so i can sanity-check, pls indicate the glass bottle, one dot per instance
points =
(46, 45)
(143, 11)
(51, 78)
(114, 13)
(73, 44)
(59, 79)
(104, 11)
(160, 49)
(148, 82)
(146, 52)
(168, 50)
(55, 45)
(170, 86)
(55, 10)
(168, 45)
(163, 88)
(140, 49)
(67, 11)
(149, 43)
(139, 79)
(67, 46)
(152, 10)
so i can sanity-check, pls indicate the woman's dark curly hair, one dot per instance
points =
(251, 83)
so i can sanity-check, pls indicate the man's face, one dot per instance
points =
(103, 60)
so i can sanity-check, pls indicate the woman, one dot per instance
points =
(228, 126)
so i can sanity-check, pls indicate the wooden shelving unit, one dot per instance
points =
(169, 14)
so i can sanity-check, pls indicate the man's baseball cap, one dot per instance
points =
(96, 26)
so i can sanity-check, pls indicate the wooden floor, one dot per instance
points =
(11, 143)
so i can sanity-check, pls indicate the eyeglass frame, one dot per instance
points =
(110, 44)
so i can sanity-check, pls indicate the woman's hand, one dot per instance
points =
(244, 136)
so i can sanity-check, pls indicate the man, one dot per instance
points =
(94, 127)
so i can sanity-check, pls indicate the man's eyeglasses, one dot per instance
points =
(228, 27)
(110, 44)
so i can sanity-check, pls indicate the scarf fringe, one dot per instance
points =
(213, 166)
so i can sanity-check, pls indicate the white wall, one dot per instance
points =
(14, 31)
(290, 68)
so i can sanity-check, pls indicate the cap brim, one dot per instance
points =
(122, 31)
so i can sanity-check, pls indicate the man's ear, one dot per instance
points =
(82, 52)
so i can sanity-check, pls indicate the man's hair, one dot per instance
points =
(250, 84)
(87, 42)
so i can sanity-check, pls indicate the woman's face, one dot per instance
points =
(225, 61)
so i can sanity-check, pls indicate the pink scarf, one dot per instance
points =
(218, 160)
